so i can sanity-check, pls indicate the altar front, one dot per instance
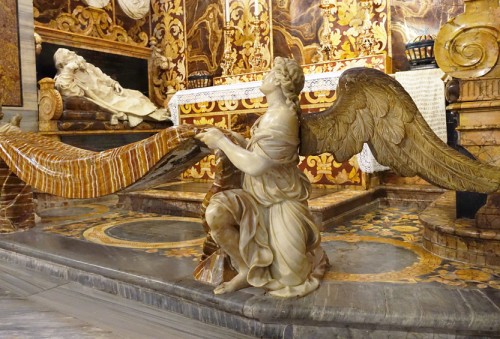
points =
(236, 106)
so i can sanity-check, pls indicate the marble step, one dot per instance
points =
(329, 206)
(338, 309)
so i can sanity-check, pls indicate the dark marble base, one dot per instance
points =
(382, 283)
(459, 239)
(338, 309)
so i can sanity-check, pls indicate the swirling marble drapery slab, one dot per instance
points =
(57, 168)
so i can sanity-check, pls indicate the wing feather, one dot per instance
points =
(372, 107)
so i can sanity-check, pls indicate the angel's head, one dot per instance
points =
(288, 75)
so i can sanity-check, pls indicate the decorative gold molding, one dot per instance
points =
(94, 29)
(468, 45)
(55, 36)
(50, 105)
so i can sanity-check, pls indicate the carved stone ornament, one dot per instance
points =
(50, 105)
(468, 45)
(96, 3)
(95, 22)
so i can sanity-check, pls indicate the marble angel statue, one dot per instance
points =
(76, 77)
(266, 227)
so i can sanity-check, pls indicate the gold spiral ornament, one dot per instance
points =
(466, 53)
(50, 105)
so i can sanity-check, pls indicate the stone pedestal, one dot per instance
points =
(458, 239)
(467, 48)
(477, 105)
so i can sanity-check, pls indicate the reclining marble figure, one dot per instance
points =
(263, 223)
(76, 77)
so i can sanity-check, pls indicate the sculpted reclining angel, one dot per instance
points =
(76, 77)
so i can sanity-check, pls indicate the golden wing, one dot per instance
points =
(373, 108)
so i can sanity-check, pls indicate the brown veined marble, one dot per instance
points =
(205, 37)
(295, 29)
(63, 170)
(410, 19)
(10, 68)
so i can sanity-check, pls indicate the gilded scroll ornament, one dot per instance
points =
(468, 45)
(50, 104)
(351, 29)
(169, 30)
(94, 22)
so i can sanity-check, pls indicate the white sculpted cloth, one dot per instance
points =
(98, 87)
(135, 9)
(279, 240)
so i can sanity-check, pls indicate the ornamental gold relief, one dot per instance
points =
(169, 30)
(92, 22)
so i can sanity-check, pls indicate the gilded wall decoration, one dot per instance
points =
(169, 30)
(93, 22)
(250, 35)
(410, 19)
(10, 67)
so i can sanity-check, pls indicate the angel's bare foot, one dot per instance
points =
(238, 282)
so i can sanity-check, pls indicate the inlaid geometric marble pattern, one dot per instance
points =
(384, 245)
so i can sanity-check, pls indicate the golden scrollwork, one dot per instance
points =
(254, 103)
(468, 45)
(202, 170)
(94, 22)
(198, 108)
(248, 37)
(168, 18)
(352, 28)
(320, 97)
(324, 169)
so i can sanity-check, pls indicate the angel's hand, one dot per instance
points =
(73, 66)
(211, 137)
(240, 139)
(118, 88)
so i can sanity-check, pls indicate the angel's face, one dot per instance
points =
(269, 83)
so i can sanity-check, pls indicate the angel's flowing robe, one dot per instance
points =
(98, 87)
(279, 240)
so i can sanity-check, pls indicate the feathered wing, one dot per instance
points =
(373, 108)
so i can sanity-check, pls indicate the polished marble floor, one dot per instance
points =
(380, 279)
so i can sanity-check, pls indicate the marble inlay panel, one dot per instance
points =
(10, 68)
(379, 246)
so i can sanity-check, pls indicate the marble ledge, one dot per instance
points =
(474, 105)
(167, 284)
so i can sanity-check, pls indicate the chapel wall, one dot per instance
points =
(18, 91)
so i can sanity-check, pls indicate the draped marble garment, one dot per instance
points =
(279, 240)
(99, 88)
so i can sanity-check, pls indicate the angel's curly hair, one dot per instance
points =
(290, 76)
